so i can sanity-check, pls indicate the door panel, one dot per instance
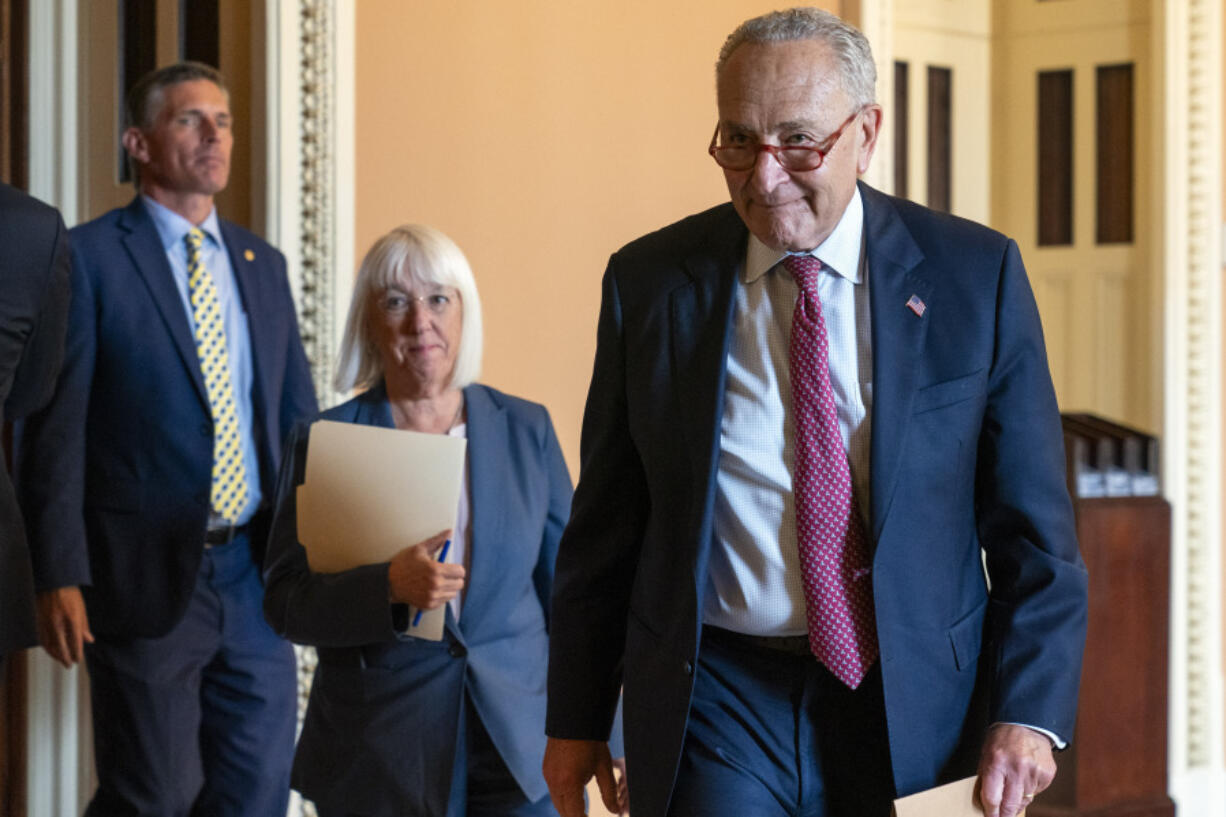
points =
(1101, 325)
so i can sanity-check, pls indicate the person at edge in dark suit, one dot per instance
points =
(811, 411)
(34, 293)
(398, 724)
(145, 480)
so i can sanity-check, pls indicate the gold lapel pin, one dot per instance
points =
(249, 255)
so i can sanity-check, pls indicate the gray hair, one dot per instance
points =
(427, 256)
(856, 67)
(144, 102)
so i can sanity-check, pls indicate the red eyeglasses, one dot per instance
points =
(791, 157)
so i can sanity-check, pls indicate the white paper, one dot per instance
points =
(369, 492)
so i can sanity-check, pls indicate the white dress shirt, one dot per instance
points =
(754, 571)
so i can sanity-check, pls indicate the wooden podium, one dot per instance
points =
(1116, 763)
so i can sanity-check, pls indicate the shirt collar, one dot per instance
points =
(839, 253)
(172, 227)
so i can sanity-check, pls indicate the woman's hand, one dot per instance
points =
(416, 577)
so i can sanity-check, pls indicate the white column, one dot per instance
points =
(1189, 38)
(59, 777)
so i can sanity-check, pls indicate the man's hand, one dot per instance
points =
(623, 787)
(63, 626)
(1016, 764)
(569, 764)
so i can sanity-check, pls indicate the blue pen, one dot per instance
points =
(442, 557)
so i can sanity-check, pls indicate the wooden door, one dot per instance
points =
(939, 113)
(1072, 162)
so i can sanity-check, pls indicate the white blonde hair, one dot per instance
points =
(426, 256)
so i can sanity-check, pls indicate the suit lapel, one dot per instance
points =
(488, 465)
(149, 258)
(898, 341)
(701, 313)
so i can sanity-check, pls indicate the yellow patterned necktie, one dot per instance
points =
(229, 492)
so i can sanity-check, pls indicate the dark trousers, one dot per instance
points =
(481, 783)
(199, 721)
(774, 734)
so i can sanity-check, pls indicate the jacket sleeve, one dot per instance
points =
(1039, 587)
(49, 462)
(599, 550)
(43, 351)
(298, 399)
(560, 493)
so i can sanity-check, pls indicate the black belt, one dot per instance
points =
(223, 536)
(790, 644)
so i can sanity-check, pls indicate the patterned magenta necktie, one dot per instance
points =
(834, 557)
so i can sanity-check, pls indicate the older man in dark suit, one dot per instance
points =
(814, 411)
(33, 316)
(145, 480)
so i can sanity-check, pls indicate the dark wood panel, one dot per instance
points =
(1116, 763)
(138, 56)
(200, 31)
(1055, 166)
(901, 123)
(940, 142)
(1115, 144)
(13, 705)
(14, 93)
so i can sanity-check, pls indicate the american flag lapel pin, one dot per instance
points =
(916, 305)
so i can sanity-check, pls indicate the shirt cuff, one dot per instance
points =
(1056, 741)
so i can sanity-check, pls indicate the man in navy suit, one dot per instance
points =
(33, 317)
(821, 531)
(145, 481)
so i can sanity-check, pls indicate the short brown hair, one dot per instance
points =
(144, 100)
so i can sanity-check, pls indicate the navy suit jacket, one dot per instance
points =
(114, 474)
(966, 453)
(386, 709)
(34, 292)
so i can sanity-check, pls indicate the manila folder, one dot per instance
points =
(956, 799)
(370, 492)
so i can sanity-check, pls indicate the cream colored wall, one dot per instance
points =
(954, 34)
(541, 136)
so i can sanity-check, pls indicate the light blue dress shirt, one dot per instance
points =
(754, 571)
(172, 228)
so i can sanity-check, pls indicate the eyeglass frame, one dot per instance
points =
(449, 300)
(774, 150)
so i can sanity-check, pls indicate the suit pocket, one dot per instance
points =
(966, 637)
(949, 392)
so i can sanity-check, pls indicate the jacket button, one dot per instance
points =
(457, 650)
(689, 668)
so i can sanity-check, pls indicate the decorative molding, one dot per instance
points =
(310, 156)
(316, 199)
(1190, 105)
